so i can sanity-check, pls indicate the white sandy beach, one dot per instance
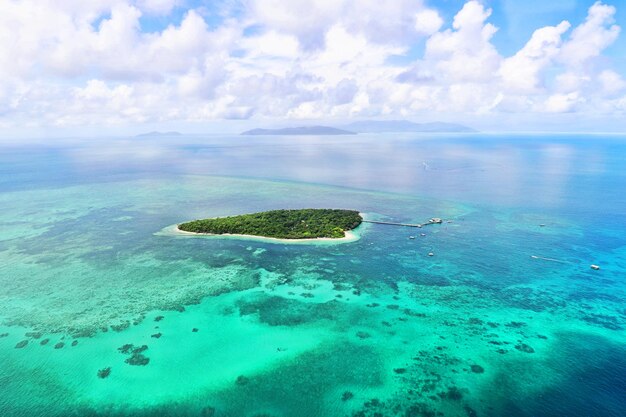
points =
(350, 236)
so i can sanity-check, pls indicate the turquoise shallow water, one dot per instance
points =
(374, 327)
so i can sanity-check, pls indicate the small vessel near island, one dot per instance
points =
(592, 266)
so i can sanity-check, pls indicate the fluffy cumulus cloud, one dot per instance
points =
(380, 21)
(102, 62)
(465, 53)
(523, 71)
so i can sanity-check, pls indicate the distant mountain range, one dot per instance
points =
(302, 130)
(366, 126)
(152, 134)
(387, 126)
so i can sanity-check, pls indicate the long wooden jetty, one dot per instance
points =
(434, 220)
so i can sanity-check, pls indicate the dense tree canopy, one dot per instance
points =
(283, 224)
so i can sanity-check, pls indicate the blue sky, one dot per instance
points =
(125, 66)
(518, 19)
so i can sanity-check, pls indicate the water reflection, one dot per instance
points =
(532, 171)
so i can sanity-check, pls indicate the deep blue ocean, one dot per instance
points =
(102, 313)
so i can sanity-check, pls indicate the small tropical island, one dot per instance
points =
(302, 224)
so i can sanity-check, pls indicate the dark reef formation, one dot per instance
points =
(104, 373)
(523, 347)
(136, 356)
(242, 380)
(477, 369)
(21, 344)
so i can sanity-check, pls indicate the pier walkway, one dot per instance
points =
(434, 220)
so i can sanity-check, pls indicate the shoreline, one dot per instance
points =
(350, 236)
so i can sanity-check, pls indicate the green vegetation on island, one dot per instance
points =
(281, 224)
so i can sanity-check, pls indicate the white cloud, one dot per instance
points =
(344, 92)
(465, 52)
(584, 80)
(562, 103)
(272, 45)
(428, 21)
(612, 84)
(288, 17)
(523, 71)
(590, 38)
(78, 63)
(159, 7)
(380, 21)
(569, 82)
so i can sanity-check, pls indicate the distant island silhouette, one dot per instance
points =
(302, 130)
(367, 126)
(387, 126)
